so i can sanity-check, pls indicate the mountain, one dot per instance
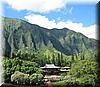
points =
(18, 34)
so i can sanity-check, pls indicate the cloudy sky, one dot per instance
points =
(77, 15)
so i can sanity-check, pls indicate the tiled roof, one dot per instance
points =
(53, 66)
(66, 67)
(50, 66)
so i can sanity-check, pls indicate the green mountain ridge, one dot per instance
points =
(18, 34)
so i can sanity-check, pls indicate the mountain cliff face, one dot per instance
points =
(18, 34)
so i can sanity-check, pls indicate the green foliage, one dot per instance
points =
(83, 67)
(26, 79)
(20, 78)
(36, 78)
(84, 71)
(16, 64)
(19, 34)
(27, 47)
(59, 84)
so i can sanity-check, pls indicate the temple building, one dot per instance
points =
(51, 72)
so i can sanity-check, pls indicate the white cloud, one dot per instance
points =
(83, 1)
(36, 5)
(43, 21)
(70, 11)
(43, 5)
(40, 20)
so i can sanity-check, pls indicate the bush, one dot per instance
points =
(20, 78)
(17, 64)
(36, 78)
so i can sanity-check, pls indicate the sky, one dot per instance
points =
(77, 15)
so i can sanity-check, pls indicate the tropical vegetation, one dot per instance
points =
(28, 47)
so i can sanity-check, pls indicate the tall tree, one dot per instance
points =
(59, 60)
(53, 59)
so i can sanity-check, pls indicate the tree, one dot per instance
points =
(72, 57)
(53, 59)
(17, 64)
(59, 60)
(84, 71)
(62, 59)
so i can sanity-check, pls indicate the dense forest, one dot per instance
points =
(28, 47)
(24, 67)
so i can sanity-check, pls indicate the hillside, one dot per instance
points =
(18, 34)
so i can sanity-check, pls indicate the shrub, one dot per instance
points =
(20, 78)
(36, 78)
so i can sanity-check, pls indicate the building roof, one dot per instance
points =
(50, 66)
(64, 70)
(52, 76)
(66, 67)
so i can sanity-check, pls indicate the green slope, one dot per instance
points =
(18, 34)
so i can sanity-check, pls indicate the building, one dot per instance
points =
(52, 72)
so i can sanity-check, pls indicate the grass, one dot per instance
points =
(58, 84)
(26, 86)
